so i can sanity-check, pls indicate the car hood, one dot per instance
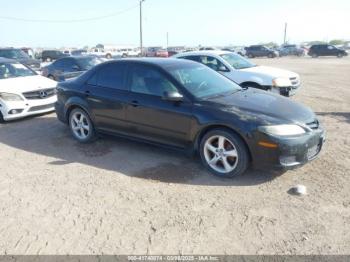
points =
(265, 107)
(270, 71)
(25, 84)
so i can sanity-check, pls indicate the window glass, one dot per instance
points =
(112, 76)
(213, 63)
(146, 80)
(193, 58)
(236, 61)
(202, 82)
(13, 70)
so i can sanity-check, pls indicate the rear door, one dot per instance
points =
(107, 96)
(151, 117)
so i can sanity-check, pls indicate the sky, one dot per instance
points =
(187, 22)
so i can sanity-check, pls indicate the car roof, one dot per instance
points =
(204, 52)
(160, 62)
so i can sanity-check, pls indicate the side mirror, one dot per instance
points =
(173, 96)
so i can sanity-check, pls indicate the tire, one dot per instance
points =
(124, 55)
(48, 59)
(250, 56)
(1, 118)
(270, 56)
(108, 56)
(224, 165)
(340, 55)
(314, 55)
(81, 126)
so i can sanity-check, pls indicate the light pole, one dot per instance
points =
(141, 44)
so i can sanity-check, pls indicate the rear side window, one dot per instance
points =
(192, 58)
(112, 76)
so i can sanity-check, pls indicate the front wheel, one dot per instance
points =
(340, 55)
(81, 126)
(224, 153)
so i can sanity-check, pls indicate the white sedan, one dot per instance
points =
(246, 73)
(23, 92)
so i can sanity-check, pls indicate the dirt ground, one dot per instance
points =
(121, 197)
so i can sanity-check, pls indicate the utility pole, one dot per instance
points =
(167, 39)
(141, 43)
(285, 33)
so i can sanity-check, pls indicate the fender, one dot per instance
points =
(79, 102)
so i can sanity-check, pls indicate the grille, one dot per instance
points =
(40, 94)
(313, 125)
(39, 108)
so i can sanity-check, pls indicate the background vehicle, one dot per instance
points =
(129, 52)
(29, 51)
(20, 56)
(207, 48)
(156, 52)
(326, 50)
(238, 50)
(78, 52)
(70, 67)
(246, 73)
(51, 55)
(23, 92)
(260, 51)
(186, 105)
(291, 50)
(103, 53)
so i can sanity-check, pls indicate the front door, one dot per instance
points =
(149, 115)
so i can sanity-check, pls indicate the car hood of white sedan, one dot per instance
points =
(271, 71)
(19, 85)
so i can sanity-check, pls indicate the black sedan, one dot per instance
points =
(70, 67)
(186, 105)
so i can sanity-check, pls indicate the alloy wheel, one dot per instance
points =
(221, 154)
(80, 125)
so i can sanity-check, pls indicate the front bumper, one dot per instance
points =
(12, 110)
(291, 152)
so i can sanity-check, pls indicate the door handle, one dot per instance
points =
(134, 103)
(87, 93)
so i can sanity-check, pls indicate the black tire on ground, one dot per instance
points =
(108, 56)
(48, 59)
(270, 56)
(340, 55)
(250, 56)
(241, 149)
(91, 136)
(1, 118)
(314, 55)
(51, 77)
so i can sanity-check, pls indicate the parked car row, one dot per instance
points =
(188, 102)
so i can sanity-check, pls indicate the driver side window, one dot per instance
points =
(149, 81)
(213, 63)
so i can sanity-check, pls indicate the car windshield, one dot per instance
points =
(13, 54)
(236, 61)
(12, 70)
(87, 63)
(202, 82)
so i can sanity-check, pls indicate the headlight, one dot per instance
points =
(282, 130)
(281, 82)
(10, 97)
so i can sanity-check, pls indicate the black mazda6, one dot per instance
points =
(188, 106)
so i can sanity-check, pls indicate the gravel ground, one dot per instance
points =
(121, 197)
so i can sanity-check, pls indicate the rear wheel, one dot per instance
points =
(51, 77)
(224, 153)
(314, 55)
(81, 126)
(250, 56)
(340, 55)
(270, 56)
(108, 56)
